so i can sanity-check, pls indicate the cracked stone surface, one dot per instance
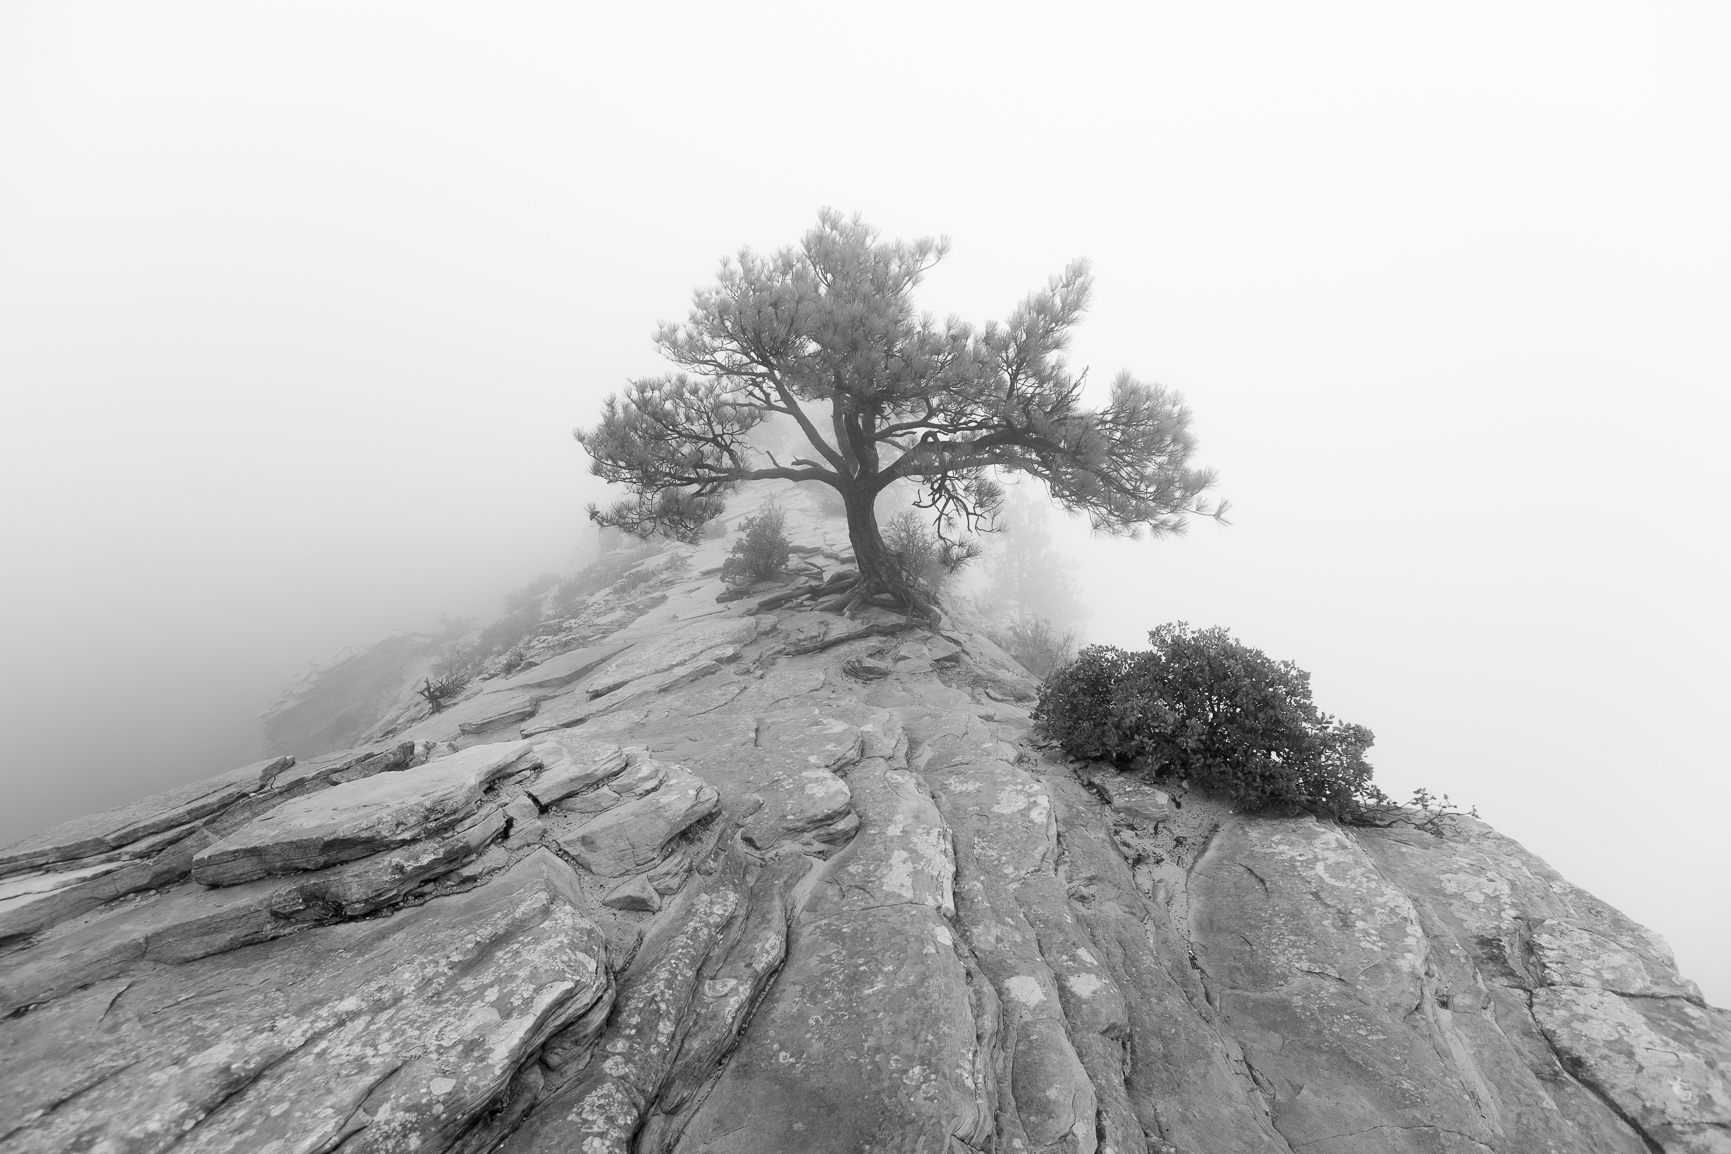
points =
(728, 897)
(358, 818)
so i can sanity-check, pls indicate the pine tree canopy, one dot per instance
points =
(827, 334)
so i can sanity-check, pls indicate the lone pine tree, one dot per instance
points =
(826, 334)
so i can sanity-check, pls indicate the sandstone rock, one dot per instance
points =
(633, 834)
(526, 824)
(1013, 911)
(636, 893)
(889, 918)
(902, 855)
(382, 879)
(559, 671)
(581, 708)
(480, 713)
(35, 901)
(343, 765)
(186, 922)
(730, 986)
(357, 818)
(1127, 795)
(587, 805)
(875, 1035)
(511, 710)
(674, 648)
(669, 874)
(644, 775)
(573, 765)
(114, 828)
(790, 759)
(379, 1035)
(600, 1110)
(1628, 1048)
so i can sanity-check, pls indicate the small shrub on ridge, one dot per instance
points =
(761, 551)
(1204, 707)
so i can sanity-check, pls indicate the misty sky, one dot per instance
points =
(299, 303)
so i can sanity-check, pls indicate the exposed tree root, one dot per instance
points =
(844, 638)
(844, 593)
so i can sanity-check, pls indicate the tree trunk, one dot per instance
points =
(878, 571)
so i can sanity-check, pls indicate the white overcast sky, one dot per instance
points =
(299, 302)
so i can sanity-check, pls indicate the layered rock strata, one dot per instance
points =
(744, 875)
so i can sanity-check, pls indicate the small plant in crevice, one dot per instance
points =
(761, 551)
(440, 691)
(1204, 708)
(1436, 814)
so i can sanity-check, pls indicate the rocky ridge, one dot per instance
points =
(728, 872)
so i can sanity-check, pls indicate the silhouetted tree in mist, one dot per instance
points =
(826, 333)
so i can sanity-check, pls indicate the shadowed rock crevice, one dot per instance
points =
(742, 875)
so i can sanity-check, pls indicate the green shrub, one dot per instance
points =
(1204, 707)
(1076, 705)
(761, 551)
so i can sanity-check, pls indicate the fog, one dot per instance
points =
(298, 306)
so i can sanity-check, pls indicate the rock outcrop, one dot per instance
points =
(743, 875)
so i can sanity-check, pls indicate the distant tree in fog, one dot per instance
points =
(1026, 576)
(826, 334)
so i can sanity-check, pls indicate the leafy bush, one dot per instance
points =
(1077, 708)
(1204, 707)
(761, 551)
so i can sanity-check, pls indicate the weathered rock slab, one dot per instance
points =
(508, 711)
(1666, 1062)
(674, 647)
(870, 1039)
(389, 1035)
(558, 671)
(32, 902)
(582, 707)
(115, 828)
(634, 834)
(358, 818)
(574, 764)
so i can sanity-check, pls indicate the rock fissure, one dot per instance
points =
(77, 1091)
(1384, 1128)
(1570, 1069)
